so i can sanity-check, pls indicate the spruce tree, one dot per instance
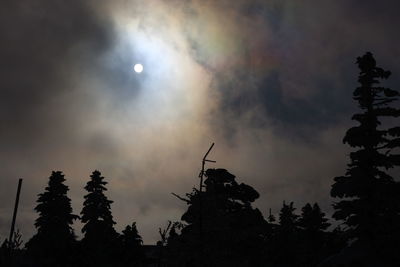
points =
(130, 236)
(100, 237)
(282, 247)
(54, 240)
(288, 220)
(314, 240)
(131, 245)
(312, 219)
(369, 196)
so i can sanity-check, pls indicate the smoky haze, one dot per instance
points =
(269, 82)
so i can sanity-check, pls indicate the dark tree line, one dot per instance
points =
(55, 242)
(221, 227)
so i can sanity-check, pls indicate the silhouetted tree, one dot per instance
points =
(282, 247)
(222, 228)
(288, 220)
(130, 237)
(314, 240)
(54, 240)
(370, 197)
(271, 217)
(312, 219)
(100, 240)
(170, 243)
(272, 225)
(131, 246)
(11, 253)
(16, 241)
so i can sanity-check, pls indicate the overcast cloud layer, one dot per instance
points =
(269, 82)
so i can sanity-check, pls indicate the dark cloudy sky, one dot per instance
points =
(269, 81)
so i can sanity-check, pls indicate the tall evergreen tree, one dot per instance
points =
(369, 195)
(100, 237)
(54, 240)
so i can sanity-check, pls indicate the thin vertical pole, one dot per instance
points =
(15, 212)
(203, 163)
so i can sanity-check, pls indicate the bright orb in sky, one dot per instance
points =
(138, 68)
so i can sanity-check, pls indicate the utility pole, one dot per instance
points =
(10, 239)
(203, 163)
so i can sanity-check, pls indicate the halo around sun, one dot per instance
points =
(138, 68)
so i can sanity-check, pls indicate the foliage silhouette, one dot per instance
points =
(55, 239)
(100, 238)
(312, 219)
(232, 230)
(284, 240)
(316, 244)
(131, 246)
(16, 241)
(288, 220)
(271, 217)
(370, 197)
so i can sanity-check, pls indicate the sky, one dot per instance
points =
(269, 81)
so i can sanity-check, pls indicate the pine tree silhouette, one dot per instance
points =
(130, 236)
(282, 246)
(314, 240)
(288, 220)
(100, 238)
(312, 219)
(54, 240)
(369, 195)
(131, 243)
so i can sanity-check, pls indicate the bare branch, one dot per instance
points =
(181, 198)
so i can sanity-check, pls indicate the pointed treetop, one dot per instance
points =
(313, 219)
(287, 217)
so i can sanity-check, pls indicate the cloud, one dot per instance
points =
(42, 109)
(293, 61)
(269, 82)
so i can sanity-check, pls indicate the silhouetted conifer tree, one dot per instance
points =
(313, 238)
(222, 228)
(131, 242)
(369, 195)
(313, 219)
(100, 240)
(285, 239)
(288, 220)
(130, 236)
(53, 243)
